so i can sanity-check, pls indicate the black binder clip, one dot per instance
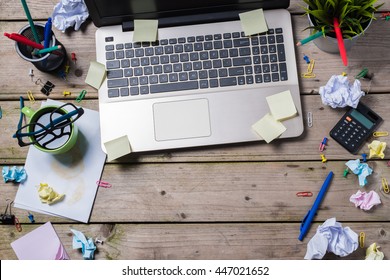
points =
(7, 219)
(47, 87)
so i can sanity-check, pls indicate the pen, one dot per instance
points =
(23, 40)
(340, 41)
(305, 225)
(46, 50)
(310, 38)
(30, 21)
(47, 32)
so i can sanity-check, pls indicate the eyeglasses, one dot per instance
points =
(57, 127)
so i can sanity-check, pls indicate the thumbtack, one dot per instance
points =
(346, 172)
(323, 158)
(98, 241)
(31, 74)
(323, 143)
(306, 58)
(364, 156)
(73, 56)
(67, 69)
(31, 217)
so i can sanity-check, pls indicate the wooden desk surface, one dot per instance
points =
(227, 202)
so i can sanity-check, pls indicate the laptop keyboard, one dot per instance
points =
(196, 62)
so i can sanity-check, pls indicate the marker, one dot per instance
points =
(46, 50)
(305, 225)
(30, 21)
(310, 38)
(47, 32)
(340, 41)
(23, 40)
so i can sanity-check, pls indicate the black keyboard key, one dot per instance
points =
(113, 74)
(119, 54)
(110, 55)
(149, 51)
(236, 71)
(135, 62)
(227, 35)
(112, 64)
(279, 30)
(275, 77)
(153, 79)
(117, 83)
(128, 45)
(217, 45)
(245, 51)
(272, 48)
(134, 81)
(183, 76)
(125, 63)
(241, 80)
(143, 80)
(128, 72)
(239, 61)
(281, 52)
(283, 71)
(174, 87)
(134, 90)
(258, 79)
(144, 90)
(129, 53)
(225, 82)
(242, 42)
(184, 57)
(110, 47)
(113, 92)
(124, 91)
(173, 77)
(204, 84)
(213, 83)
(279, 38)
(271, 39)
(249, 80)
(199, 38)
(267, 78)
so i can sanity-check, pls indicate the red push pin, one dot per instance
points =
(74, 59)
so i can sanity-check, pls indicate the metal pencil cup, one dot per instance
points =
(49, 62)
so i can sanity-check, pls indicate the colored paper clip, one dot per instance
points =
(309, 73)
(323, 143)
(304, 194)
(388, 163)
(81, 95)
(362, 237)
(30, 97)
(309, 119)
(18, 225)
(362, 74)
(380, 133)
(385, 186)
(103, 184)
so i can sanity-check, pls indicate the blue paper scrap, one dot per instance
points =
(360, 169)
(14, 174)
(87, 246)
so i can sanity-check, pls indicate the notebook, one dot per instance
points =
(202, 82)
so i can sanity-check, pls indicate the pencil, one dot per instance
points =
(310, 38)
(30, 21)
(46, 50)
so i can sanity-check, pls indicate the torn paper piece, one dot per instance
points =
(96, 74)
(339, 93)
(87, 246)
(69, 13)
(377, 149)
(268, 128)
(282, 105)
(48, 195)
(117, 148)
(360, 169)
(331, 237)
(365, 200)
(373, 253)
(145, 30)
(253, 22)
(40, 244)
(15, 174)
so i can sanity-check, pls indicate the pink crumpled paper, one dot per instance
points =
(365, 200)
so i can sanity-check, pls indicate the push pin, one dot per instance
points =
(31, 217)
(306, 58)
(31, 74)
(67, 69)
(323, 158)
(323, 143)
(62, 74)
(346, 172)
(344, 74)
(98, 241)
(66, 93)
(364, 157)
(73, 56)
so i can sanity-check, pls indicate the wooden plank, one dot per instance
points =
(266, 241)
(16, 81)
(304, 147)
(224, 192)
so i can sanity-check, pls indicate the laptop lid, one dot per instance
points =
(173, 12)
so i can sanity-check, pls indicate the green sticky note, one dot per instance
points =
(145, 30)
(268, 128)
(96, 74)
(117, 148)
(253, 22)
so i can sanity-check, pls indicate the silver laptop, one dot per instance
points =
(203, 82)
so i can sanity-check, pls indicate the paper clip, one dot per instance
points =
(309, 119)
(30, 97)
(103, 184)
(18, 225)
(309, 73)
(385, 185)
(380, 133)
(304, 194)
(81, 95)
(362, 237)
(362, 74)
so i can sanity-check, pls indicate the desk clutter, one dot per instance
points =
(68, 186)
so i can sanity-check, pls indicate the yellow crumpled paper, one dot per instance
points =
(48, 195)
(376, 149)
(373, 253)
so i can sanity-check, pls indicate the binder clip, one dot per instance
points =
(47, 87)
(10, 219)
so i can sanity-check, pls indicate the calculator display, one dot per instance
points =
(362, 119)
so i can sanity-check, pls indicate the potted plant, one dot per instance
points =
(354, 17)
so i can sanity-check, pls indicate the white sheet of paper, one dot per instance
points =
(73, 173)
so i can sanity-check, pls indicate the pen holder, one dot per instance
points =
(49, 62)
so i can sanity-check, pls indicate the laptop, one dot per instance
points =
(203, 82)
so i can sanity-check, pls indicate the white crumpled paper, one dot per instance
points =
(331, 237)
(339, 93)
(69, 13)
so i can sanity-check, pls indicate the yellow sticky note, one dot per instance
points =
(282, 105)
(117, 148)
(96, 74)
(253, 22)
(48, 195)
(268, 128)
(145, 30)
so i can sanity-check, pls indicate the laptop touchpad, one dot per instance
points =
(181, 119)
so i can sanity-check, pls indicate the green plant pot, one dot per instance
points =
(329, 44)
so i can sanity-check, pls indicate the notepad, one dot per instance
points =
(145, 30)
(253, 22)
(96, 74)
(268, 128)
(117, 148)
(282, 105)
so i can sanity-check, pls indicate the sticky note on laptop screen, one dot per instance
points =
(282, 105)
(268, 128)
(145, 30)
(253, 22)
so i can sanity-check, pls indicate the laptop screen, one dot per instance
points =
(112, 12)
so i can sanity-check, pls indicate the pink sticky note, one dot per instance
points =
(40, 244)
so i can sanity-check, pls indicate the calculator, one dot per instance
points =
(355, 127)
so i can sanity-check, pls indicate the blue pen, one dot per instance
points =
(305, 225)
(47, 32)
